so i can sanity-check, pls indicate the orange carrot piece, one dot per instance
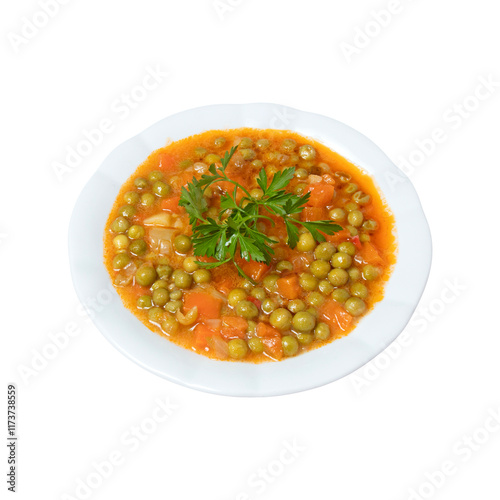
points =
(321, 194)
(202, 334)
(289, 287)
(273, 347)
(369, 254)
(335, 316)
(172, 204)
(253, 269)
(314, 213)
(339, 237)
(209, 307)
(264, 330)
(234, 327)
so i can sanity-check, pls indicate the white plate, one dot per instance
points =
(320, 366)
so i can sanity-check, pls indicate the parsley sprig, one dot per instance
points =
(235, 229)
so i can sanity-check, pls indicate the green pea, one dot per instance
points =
(338, 277)
(337, 214)
(347, 247)
(341, 260)
(256, 345)
(136, 232)
(120, 225)
(246, 309)
(164, 271)
(342, 176)
(352, 230)
(120, 242)
(161, 189)
(182, 279)
(355, 218)
(325, 287)
(300, 188)
(354, 273)
(364, 238)
(349, 207)
(131, 198)
(322, 331)
(294, 159)
(175, 294)
(301, 173)
(211, 158)
(315, 299)
(219, 142)
(308, 282)
(281, 318)
(155, 175)
(290, 345)
(189, 264)
(147, 200)
(370, 225)
(257, 164)
(270, 282)
(305, 338)
(173, 306)
(320, 269)
(127, 211)
(247, 285)
(359, 290)
(268, 306)
(185, 164)
(238, 348)
(202, 276)
(256, 193)
(252, 327)
(144, 302)
(140, 183)
(324, 251)
(284, 265)
(156, 314)
(159, 283)
(288, 145)
(351, 188)
(138, 247)
(200, 153)
(262, 144)
(355, 306)
(235, 296)
(370, 272)
(340, 295)
(303, 321)
(248, 154)
(145, 275)
(182, 243)
(306, 243)
(246, 142)
(313, 311)
(361, 198)
(296, 305)
(170, 325)
(160, 297)
(307, 152)
(121, 260)
(258, 293)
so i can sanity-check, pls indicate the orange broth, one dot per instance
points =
(234, 332)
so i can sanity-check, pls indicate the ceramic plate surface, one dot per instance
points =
(372, 335)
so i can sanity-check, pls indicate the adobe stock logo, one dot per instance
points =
(31, 27)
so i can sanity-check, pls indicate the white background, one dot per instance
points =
(377, 434)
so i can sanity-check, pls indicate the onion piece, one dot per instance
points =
(163, 219)
(126, 275)
(219, 347)
(160, 240)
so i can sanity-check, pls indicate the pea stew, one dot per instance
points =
(291, 283)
